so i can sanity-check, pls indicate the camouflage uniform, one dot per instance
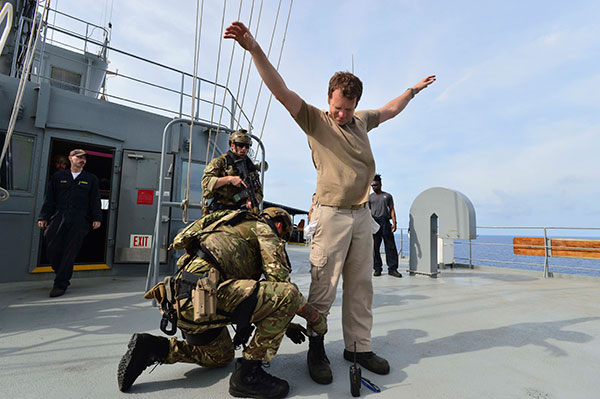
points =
(244, 251)
(227, 196)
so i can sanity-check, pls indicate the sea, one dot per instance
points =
(497, 251)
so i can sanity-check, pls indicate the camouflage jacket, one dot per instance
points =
(244, 248)
(227, 196)
(243, 245)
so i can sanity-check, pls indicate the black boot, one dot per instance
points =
(318, 363)
(249, 380)
(370, 361)
(142, 351)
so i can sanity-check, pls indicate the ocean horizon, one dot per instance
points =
(493, 250)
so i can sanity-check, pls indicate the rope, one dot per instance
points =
(198, 35)
(212, 112)
(268, 55)
(4, 194)
(276, 68)
(248, 72)
(225, 89)
(237, 94)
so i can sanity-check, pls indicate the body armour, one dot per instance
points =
(227, 197)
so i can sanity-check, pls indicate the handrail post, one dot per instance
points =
(181, 95)
(13, 68)
(153, 267)
(546, 254)
(87, 28)
(232, 112)
(262, 163)
(401, 243)
(42, 51)
(470, 262)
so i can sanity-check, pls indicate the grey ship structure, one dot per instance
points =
(65, 105)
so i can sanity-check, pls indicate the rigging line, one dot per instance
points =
(198, 34)
(277, 69)
(226, 88)
(250, 67)
(212, 112)
(29, 55)
(112, 3)
(237, 94)
(268, 55)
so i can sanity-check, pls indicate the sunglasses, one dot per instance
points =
(375, 185)
(243, 145)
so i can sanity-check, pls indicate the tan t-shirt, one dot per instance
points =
(341, 154)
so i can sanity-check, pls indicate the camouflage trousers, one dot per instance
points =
(217, 353)
(277, 304)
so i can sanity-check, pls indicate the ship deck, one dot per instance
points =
(483, 333)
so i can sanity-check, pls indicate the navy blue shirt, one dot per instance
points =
(79, 197)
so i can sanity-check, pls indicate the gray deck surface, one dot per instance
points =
(490, 333)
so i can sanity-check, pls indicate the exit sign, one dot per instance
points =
(140, 241)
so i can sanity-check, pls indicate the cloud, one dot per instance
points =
(553, 169)
(516, 65)
(512, 121)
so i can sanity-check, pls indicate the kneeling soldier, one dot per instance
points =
(227, 252)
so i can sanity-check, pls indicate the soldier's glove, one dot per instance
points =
(296, 333)
(314, 321)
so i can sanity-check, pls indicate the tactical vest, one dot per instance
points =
(230, 197)
(188, 298)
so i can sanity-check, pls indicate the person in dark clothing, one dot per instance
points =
(382, 210)
(71, 206)
(60, 162)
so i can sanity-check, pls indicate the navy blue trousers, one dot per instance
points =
(64, 237)
(391, 253)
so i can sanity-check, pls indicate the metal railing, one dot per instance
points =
(498, 250)
(507, 258)
(88, 37)
(166, 86)
(153, 267)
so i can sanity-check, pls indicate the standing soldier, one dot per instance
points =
(239, 248)
(382, 210)
(71, 206)
(231, 181)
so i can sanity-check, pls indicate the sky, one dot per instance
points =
(512, 122)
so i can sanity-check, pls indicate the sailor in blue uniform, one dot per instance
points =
(71, 207)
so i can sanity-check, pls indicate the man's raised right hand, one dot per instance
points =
(241, 34)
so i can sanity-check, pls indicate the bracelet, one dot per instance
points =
(413, 92)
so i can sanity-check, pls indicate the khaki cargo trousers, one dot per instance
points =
(342, 246)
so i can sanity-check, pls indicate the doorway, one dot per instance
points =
(100, 162)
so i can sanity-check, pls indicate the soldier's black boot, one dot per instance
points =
(249, 380)
(318, 363)
(142, 351)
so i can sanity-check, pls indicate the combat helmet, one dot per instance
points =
(240, 136)
(275, 214)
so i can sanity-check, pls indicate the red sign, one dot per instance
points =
(145, 197)
(140, 241)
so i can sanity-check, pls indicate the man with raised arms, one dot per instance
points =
(342, 244)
